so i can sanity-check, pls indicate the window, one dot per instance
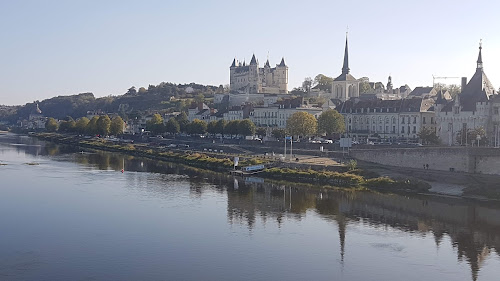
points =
(414, 120)
(456, 110)
(414, 129)
(402, 129)
(393, 129)
(432, 120)
(402, 120)
(423, 120)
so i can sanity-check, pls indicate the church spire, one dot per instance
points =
(345, 67)
(480, 58)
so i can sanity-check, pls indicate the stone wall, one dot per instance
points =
(458, 159)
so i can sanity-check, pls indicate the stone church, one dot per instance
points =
(477, 106)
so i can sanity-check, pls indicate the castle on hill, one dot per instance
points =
(252, 79)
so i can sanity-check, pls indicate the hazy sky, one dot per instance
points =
(51, 48)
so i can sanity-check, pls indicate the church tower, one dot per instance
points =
(345, 86)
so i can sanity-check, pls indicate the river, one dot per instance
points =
(68, 215)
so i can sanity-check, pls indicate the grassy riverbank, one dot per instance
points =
(353, 178)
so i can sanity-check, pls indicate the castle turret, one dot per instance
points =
(282, 76)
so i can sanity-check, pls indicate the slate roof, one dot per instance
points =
(345, 76)
(420, 91)
(282, 63)
(404, 105)
(253, 61)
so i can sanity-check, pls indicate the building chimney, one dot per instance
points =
(464, 82)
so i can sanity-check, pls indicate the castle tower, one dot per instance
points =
(282, 76)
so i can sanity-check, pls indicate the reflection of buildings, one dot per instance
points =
(473, 229)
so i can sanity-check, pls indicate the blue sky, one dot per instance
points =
(51, 48)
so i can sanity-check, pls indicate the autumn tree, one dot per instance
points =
(51, 125)
(155, 125)
(92, 125)
(302, 124)
(67, 125)
(116, 127)
(331, 122)
(81, 125)
(103, 125)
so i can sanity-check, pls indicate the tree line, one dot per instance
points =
(181, 124)
(102, 125)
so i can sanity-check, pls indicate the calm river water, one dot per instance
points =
(75, 216)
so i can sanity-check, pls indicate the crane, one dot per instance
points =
(444, 77)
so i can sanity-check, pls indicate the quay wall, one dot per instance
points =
(455, 159)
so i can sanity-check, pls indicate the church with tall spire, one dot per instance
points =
(345, 86)
(252, 79)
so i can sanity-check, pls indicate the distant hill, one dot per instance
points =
(76, 106)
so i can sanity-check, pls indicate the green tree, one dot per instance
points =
(199, 98)
(51, 125)
(246, 127)
(103, 125)
(323, 82)
(92, 126)
(155, 125)
(220, 127)
(279, 133)
(172, 126)
(428, 136)
(183, 121)
(81, 125)
(197, 127)
(261, 131)
(232, 127)
(307, 84)
(212, 127)
(331, 122)
(302, 124)
(364, 87)
(116, 127)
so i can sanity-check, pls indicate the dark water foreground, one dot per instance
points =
(65, 215)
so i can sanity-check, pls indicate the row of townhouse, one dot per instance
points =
(387, 119)
(272, 115)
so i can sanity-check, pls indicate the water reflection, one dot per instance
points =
(473, 228)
